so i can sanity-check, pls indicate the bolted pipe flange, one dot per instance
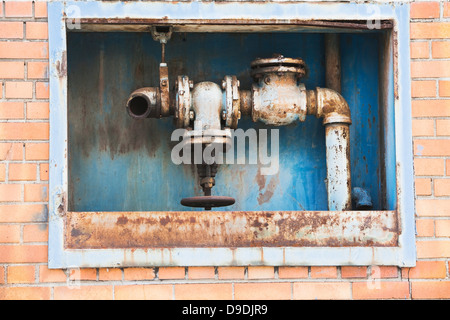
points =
(182, 115)
(232, 101)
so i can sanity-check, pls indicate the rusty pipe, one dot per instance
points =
(332, 107)
(144, 103)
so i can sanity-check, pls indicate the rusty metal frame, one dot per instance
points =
(78, 239)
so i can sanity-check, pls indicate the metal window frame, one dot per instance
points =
(59, 256)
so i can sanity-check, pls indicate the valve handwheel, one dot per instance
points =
(207, 202)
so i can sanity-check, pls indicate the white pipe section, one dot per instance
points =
(337, 140)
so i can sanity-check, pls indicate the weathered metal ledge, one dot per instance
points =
(230, 229)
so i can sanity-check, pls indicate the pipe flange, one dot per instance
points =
(232, 101)
(277, 64)
(182, 102)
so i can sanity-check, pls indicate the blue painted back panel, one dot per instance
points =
(117, 163)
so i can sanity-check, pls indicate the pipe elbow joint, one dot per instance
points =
(144, 103)
(329, 105)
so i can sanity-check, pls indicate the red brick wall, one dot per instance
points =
(24, 154)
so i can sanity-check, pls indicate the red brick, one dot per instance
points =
(440, 49)
(433, 147)
(444, 88)
(12, 69)
(423, 186)
(23, 50)
(419, 50)
(24, 131)
(139, 273)
(51, 275)
(35, 232)
(424, 10)
(11, 30)
(425, 270)
(203, 291)
(2, 172)
(171, 273)
(11, 110)
(18, 9)
(37, 70)
(323, 272)
(430, 30)
(423, 88)
(25, 293)
(380, 290)
(10, 213)
(201, 273)
(447, 165)
(19, 90)
(144, 292)
(443, 127)
(42, 90)
(427, 249)
(425, 227)
(21, 274)
(9, 233)
(431, 108)
(383, 272)
(38, 110)
(422, 127)
(433, 207)
(43, 171)
(11, 151)
(430, 289)
(430, 68)
(23, 253)
(442, 187)
(446, 9)
(22, 171)
(428, 167)
(321, 291)
(262, 291)
(261, 272)
(292, 272)
(442, 228)
(99, 292)
(84, 274)
(10, 192)
(40, 9)
(36, 30)
(226, 273)
(354, 272)
(2, 269)
(109, 274)
(36, 151)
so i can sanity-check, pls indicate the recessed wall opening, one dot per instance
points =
(120, 164)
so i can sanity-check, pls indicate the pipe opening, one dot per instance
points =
(138, 107)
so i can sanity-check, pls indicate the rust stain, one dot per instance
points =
(265, 196)
(61, 66)
(93, 230)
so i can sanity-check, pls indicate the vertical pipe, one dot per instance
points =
(338, 166)
(337, 135)
(332, 62)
